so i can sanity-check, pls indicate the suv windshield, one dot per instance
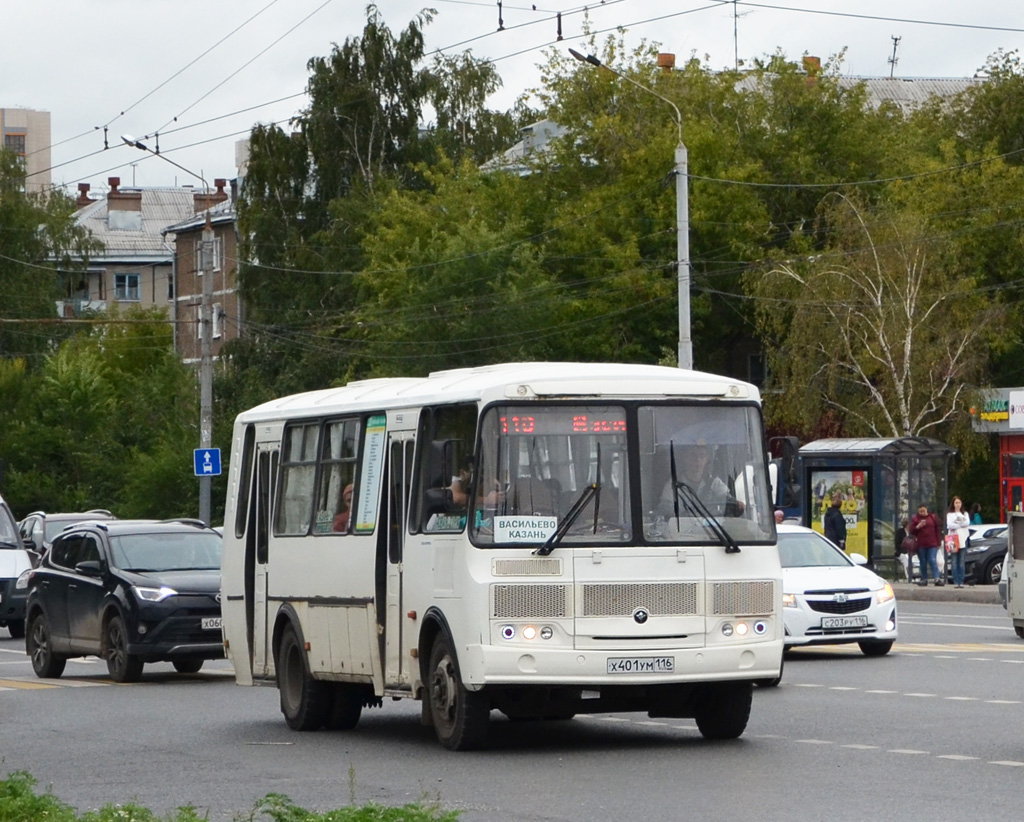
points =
(189, 551)
(538, 463)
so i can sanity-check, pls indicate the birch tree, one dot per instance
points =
(875, 331)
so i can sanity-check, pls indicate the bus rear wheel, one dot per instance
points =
(305, 702)
(346, 706)
(723, 709)
(460, 717)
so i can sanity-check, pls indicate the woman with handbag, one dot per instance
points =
(957, 532)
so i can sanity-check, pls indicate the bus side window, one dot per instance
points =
(337, 477)
(298, 471)
(443, 468)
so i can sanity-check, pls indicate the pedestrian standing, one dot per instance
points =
(903, 552)
(976, 514)
(835, 522)
(926, 529)
(957, 523)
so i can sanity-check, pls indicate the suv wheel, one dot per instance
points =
(45, 662)
(187, 666)
(122, 666)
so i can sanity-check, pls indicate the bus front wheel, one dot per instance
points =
(723, 709)
(305, 702)
(460, 717)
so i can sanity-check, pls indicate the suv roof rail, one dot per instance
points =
(198, 523)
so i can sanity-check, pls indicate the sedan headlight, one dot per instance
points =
(885, 594)
(22, 581)
(153, 594)
(789, 600)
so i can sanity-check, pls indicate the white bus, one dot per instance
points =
(540, 539)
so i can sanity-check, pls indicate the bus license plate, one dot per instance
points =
(642, 665)
(844, 622)
(211, 623)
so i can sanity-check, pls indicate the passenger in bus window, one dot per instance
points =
(341, 520)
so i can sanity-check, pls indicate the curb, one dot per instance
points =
(982, 594)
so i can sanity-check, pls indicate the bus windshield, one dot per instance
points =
(540, 467)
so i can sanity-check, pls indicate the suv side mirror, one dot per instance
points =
(89, 568)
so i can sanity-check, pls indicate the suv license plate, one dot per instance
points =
(211, 623)
(642, 665)
(844, 622)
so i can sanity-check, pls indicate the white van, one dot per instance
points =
(14, 561)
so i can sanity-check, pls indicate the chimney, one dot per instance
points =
(118, 200)
(812, 65)
(83, 195)
(201, 200)
(124, 208)
(666, 62)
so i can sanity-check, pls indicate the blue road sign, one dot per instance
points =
(207, 461)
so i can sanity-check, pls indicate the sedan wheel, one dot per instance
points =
(876, 648)
(122, 666)
(45, 662)
(16, 628)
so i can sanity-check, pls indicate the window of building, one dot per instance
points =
(15, 143)
(216, 255)
(126, 287)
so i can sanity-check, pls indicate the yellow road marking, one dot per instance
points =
(26, 684)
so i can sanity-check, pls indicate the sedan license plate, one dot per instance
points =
(642, 665)
(844, 622)
(211, 623)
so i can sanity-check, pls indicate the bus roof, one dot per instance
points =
(522, 380)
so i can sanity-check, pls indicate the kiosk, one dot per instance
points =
(881, 481)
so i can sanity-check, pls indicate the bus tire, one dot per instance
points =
(305, 702)
(723, 709)
(460, 717)
(346, 706)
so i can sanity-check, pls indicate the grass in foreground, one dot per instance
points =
(19, 802)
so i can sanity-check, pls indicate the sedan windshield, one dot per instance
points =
(809, 551)
(167, 552)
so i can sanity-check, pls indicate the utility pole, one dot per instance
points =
(206, 362)
(204, 269)
(685, 353)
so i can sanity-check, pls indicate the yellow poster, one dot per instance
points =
(851, 486)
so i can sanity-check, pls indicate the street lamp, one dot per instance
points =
(682, 215)
(206, 333)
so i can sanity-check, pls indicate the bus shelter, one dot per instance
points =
(881, 481)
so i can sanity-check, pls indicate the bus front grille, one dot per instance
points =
(747, 598)
(623, 599)
(530, 601)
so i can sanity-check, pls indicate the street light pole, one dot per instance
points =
(682, 215)
(205, 270)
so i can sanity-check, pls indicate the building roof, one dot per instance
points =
(221, 213)
(140, 239)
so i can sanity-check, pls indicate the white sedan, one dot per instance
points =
(829, 597)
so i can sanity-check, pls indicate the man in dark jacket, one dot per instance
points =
(835, 522)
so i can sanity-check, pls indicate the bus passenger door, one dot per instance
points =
(400, 454)
(259, 533)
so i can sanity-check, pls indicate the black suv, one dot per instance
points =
(129, 591)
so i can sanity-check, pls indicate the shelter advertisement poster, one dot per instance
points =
(852, 485)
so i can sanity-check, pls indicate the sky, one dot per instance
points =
(193, 76)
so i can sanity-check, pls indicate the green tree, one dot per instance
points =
(877, 329)
(39, 244)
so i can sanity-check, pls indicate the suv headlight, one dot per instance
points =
(153, 594)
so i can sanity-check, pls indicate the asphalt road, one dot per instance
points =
(931, 732)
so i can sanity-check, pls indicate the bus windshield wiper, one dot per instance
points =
(690, 498)
(591, 492)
